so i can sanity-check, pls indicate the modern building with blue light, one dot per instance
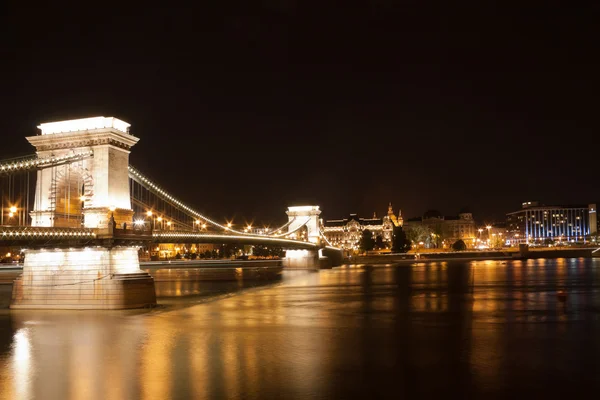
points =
(535, 223)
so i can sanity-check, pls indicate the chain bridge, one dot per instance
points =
(81, 211)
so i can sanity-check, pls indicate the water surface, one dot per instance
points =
(468, 329)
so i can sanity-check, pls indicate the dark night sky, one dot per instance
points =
(244, 109)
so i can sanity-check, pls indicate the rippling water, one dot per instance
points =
(460, 329)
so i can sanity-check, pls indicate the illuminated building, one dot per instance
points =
(445, 230)
(170, 250)
(535, 223)
(346, 233)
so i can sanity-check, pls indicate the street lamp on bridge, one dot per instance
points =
(149, 215)
(12, 210)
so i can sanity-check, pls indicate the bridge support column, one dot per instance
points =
(301, 259)
(89, 278)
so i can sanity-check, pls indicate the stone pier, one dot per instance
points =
(301, 259)
(83, 278)
(94, 193)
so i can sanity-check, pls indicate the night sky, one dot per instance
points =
(246, 108)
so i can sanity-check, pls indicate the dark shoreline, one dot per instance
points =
(469, 255)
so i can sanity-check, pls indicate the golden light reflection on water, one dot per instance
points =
(156, 358)
(22, 365)
(319, 335)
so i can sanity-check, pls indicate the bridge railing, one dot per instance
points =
(220, 238)
(12, 233)
(133, 232)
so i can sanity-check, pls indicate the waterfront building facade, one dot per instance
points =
(535, 223)
(346, 233)
(165, 251)
(435, 230)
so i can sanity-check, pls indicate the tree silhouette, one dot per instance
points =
(366, 241)
(400, 243)
(459, 245)
(379, 242)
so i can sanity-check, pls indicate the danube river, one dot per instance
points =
(427, 330)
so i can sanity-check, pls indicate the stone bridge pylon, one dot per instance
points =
(88, 191)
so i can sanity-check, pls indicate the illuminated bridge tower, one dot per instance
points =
(90, 192)
(309, 217)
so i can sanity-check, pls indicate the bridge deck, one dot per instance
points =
(42, 236)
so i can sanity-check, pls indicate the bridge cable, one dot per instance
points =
(35, 162)
(157, 190)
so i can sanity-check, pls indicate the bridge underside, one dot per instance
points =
(189, 237)
(37, 237)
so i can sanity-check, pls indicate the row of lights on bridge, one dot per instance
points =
(198, 223)
(149, 214)
(140, 222)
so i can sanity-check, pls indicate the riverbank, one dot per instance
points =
(209, 264)
(471, 255)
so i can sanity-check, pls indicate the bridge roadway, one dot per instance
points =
(38, 237)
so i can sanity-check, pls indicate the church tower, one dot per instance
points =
(397, 221)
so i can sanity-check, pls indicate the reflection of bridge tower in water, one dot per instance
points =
(94, 187)
(93, 191)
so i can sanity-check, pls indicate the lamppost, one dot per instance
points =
(149, 215)
(160, 225)
(197, 222)
(112, 214)
(12, 212)
(489, 227)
